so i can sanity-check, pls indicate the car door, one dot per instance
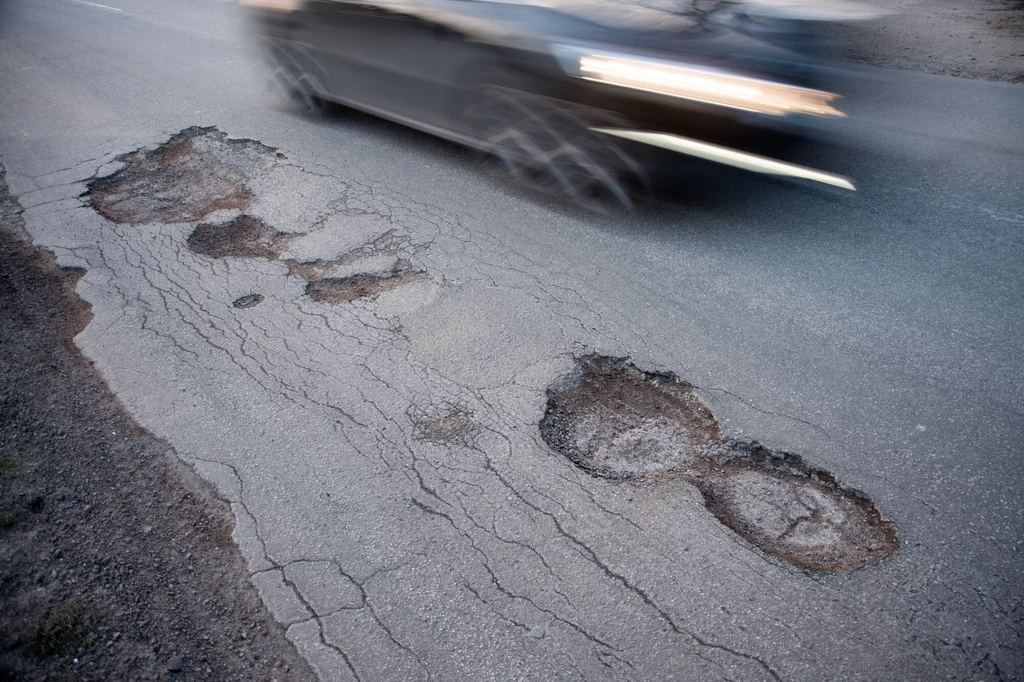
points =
(389, 56)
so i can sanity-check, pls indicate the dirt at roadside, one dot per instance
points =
(981, 39)
(116, 561)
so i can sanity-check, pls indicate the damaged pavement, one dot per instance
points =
(376, 354)
(323, 375)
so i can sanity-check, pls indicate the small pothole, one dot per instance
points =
(243, 237)
(616, 421)
(249, 301)
(361, 285)
(196, 172)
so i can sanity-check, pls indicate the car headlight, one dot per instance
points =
(708, 86)
(274, 5)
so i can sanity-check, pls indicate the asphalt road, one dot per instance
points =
(879, 334)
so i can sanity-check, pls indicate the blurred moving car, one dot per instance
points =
(569, 94)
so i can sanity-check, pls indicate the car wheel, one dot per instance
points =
(548, 145)
(294, 71)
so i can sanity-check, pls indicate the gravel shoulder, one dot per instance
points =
(116, 561)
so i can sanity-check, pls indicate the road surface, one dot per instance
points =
(398, 507)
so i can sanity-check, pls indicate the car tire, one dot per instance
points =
(548, 145)
(295, 75)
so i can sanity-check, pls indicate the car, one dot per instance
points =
(576, 98)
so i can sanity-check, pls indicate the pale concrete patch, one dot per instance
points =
(339, 234)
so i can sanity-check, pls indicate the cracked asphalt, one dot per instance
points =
(398, 510)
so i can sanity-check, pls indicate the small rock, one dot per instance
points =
(539, 632)
(175, 664)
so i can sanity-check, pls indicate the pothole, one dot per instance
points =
(249, 301)
(792, 510)
(200, 171)
(616, 421)
(249, 237)
(196, 172)
(243, 237)
(362, 285)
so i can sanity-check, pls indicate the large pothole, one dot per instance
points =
(616, 421)
(196, 172)
(791, 509)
